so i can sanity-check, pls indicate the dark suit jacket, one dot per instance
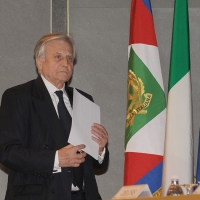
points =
(29, 138)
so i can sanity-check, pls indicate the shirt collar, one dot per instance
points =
(50, 87)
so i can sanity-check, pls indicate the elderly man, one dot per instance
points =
(35, 121)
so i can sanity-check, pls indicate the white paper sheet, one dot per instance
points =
(84, 114)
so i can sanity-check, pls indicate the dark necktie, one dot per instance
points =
(66, 122)
(64, 115)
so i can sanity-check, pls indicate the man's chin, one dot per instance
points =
(65, 78)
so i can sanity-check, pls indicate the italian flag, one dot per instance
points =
(178, 154)
(146, 107)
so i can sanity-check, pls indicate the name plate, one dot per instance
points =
(133, 191)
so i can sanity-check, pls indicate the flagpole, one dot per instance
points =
(67, 17)
(51, 7)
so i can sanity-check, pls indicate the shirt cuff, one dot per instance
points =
(56, 168)
(101, 157)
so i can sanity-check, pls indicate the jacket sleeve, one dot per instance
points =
(14, 152)
(105, 162)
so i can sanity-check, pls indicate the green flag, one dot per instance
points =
(178, 154)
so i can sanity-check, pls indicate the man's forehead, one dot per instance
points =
(58, 46)
(58, 42)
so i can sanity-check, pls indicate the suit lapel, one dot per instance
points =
(45, 108)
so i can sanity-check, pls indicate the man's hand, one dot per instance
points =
(101, 136)
(68, 156)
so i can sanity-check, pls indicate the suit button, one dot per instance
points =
(45, 146)
(53, 191)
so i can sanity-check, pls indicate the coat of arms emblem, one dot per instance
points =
(139, 100)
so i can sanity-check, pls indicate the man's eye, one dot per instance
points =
(70, 58)
(58, 56)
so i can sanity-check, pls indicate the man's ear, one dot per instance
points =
(39, 63)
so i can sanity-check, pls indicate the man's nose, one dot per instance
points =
(66, 62)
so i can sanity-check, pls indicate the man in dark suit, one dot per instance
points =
(34, 129)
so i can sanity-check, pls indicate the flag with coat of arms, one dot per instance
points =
(146, 106)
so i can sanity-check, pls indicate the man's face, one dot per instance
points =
(57, 67)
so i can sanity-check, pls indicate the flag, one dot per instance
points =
(178, 153)
(198, 163)
(146, 106)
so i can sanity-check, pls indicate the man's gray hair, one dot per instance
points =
(39, 51)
